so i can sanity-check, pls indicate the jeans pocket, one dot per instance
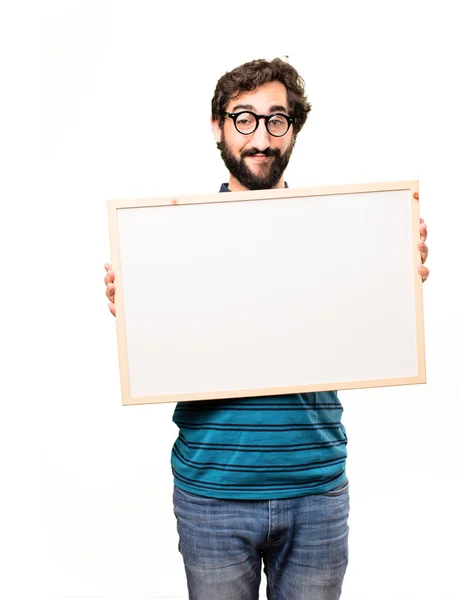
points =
(180, 492)
(338, 491)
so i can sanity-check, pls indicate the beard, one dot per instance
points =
(271, 172)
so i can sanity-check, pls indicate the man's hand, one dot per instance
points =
(424, 251)
(422, 247)
(110, 287)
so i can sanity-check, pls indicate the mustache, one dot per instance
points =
(268, 152)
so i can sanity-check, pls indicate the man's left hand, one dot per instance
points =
(423, 249)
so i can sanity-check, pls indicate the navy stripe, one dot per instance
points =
(262, 447)
(249, 402)
(198, 405)
(272, 427)
(264, 407)
(257, 469)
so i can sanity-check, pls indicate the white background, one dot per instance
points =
(112, 99)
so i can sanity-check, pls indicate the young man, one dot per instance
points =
(261, 479)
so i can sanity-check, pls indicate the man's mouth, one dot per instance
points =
(259, 158)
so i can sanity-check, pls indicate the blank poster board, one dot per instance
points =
(268, 292)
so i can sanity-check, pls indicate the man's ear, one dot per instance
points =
(216, 130)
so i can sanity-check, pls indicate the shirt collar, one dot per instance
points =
(224, 187)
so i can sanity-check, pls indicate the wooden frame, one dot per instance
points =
(317, 290)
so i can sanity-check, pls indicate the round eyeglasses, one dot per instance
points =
(247, 122)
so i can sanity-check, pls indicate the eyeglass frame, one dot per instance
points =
(234, 116)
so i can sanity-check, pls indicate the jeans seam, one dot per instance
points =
(268, 537)
(270, 580)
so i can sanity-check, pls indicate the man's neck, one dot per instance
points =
(235, 186)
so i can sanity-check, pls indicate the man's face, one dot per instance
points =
(256, 161)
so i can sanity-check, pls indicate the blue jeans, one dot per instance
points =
(303, 543)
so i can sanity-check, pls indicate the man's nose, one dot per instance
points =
(261, 139)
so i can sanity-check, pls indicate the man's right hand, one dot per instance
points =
(110, 287)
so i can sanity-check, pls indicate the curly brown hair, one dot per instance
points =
(248, 77)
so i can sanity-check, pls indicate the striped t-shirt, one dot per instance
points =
(260, 448)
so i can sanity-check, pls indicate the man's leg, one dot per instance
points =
(219, 541)
(309, 554)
